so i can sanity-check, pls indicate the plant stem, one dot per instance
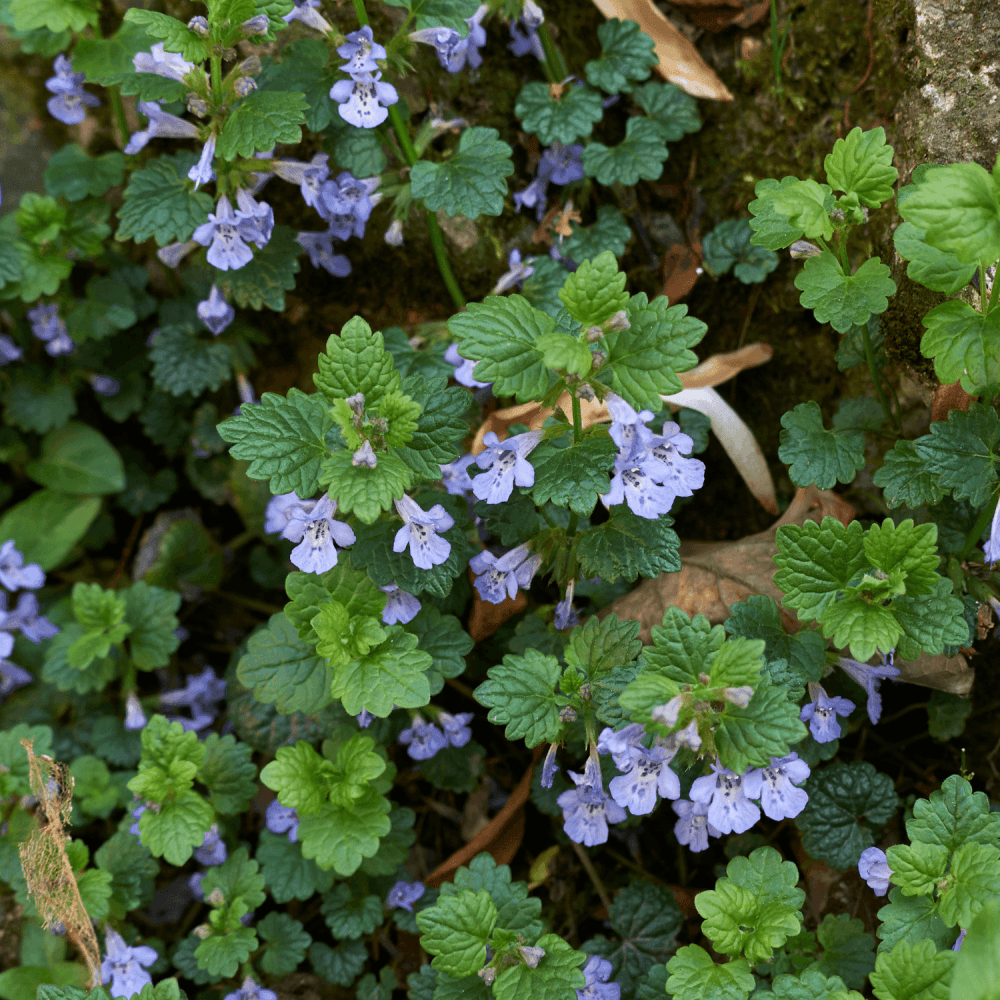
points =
(117, 108)
(555, 67)
(880, 394)
(976, 532)
(993, 293)
(577, 420)
(217, 79)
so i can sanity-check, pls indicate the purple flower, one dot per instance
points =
(137, 811)
(628, 428)
(282, 819)
(562, 164)
(729, 809)
(363, 102)
(775, 786)
(394, 234)
(258, 216)
(161, 125)
(226, 231)
(525, 41)
(25, 617)
(621, 744)
(172, 254)
(634, 483)
(693, 827)
(873, 867)
(404, 894)
(200, 693)
(821, 714)
(549, 766)
(12, 676)
(463, 368)
(869, 678)
(304, 11)
(517, 273)
(596, 973)
(123, 966)
(347, 201)
(251, 990)
(400, 606)
(9, 351)
(456, 727)
(14, 575)
(453, 51)
(364, 718)
(957, 946)
(213, 848)
(423, 739)
(587, 810)
(533, 196)
(455, 475)
(202, 172)
(70, 98)
(162, 63)
(636, 790)
(991, 550)
(361, 50)
(309, 176)
(316, 530)
(507, 464)
(678, 473)
(215, 312)
(319, 246)
(104, 385)
(47, 325)
(280, 508)
(498, 579)
(565, 615)
(420, 532)
(135, 719)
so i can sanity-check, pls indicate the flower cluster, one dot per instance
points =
(282, 819)
(651, 470)
(454, 51)
(364, 98)
(48, 326)
(821, 713)
(200, 694)
(424, 739)
(70, 98)
(310, 523)
(24, 618)
(126, 968)
(498, 579)
(559, 164)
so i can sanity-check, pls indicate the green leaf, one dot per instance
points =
(597, 647)
(221, 955)
(647, 920)
(229, 774)
(132, 870)
(907, 548)
(815, 561)
(472, 182)
(919, 972)
(443, 637)
(501, 334)
(573, 476)
(845, 802)
(643, 360)
(730, 243)
(184, 361)
(565, 119)
(394, 847)
(516, 910)
(610, 231)
(237, 877)
(595, 291)
(561, 352)
(816, 455)
(771, 226)
(305, 69)
(555, 975)
(392, 674)
(358, 150)
(916, 867)
(356, 361)
(108, 308)
(929, 623)
(158, 199)
(284, 439)
(350, 917)
(38, 401)
(286, 873)
(365, 491)
(905, 479)
(342, 838)
(626, 56)
(151, 614)
(932, 268)
(956, 207)
(806, 205)
(673, 110)
(287, 943)
(946, 715)
(283, 670)
(974, 878)
(53, 15)
(455, 931)
(768, 727)
(187, 555)
(862, 163)
(912, 919)
(964, 345)
(340, 965)
(78, 459)
(47, 525)
(694, 976)
(178, 828)
(627, 546)
(109, 62)
(176, 35)
(437, 13)
(639, 155)
(440, 428)
(755, 908)
(520, 693)
(300, 777)
(261, 120)
(959, 452)
(954, 815)
(340, 637)
(75, 175)
(976, 975)
(271, 273)
(848, 951)
(844, 300)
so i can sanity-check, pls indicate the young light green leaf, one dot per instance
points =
(917, 867)
(815, 455)
(261, 120)
(768, 727)
(862, 163)
(964, 344)
(595, 291)
(626, 56)
(53, 15)
(564, 118)
(229, 774)
(300, 777)
(177, 828)
(520, 693)
(974, 878)
(843, 300)
(472, 182)
(639, 155)
(361, 490)
(932, 268)
(976, 974)
(356, 361)
(516, 910)
(694, 976)
(911, 919)
(806, 205)
(954, 815)
(908, 548)
(772, 228)
(918, 972)
(556, 974)
(455, 931)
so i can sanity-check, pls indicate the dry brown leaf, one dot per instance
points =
(942, 673)
(679, 59)
(948, 398)
(715, 575)
(716, 15)
(681, 270)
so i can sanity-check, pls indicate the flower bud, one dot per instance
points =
(199, 25)
(803, 248)
(394, 234)
(244, 85)
(250, 66)
(203, 931)
(739, 696)
(197, 106)
(215, 898)
(488, 974)
(667, 714)
(594, 333)
(619, 321)
(357, 403)
(255, 26)
(532, 14)
(531, 956)
(365, 455)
